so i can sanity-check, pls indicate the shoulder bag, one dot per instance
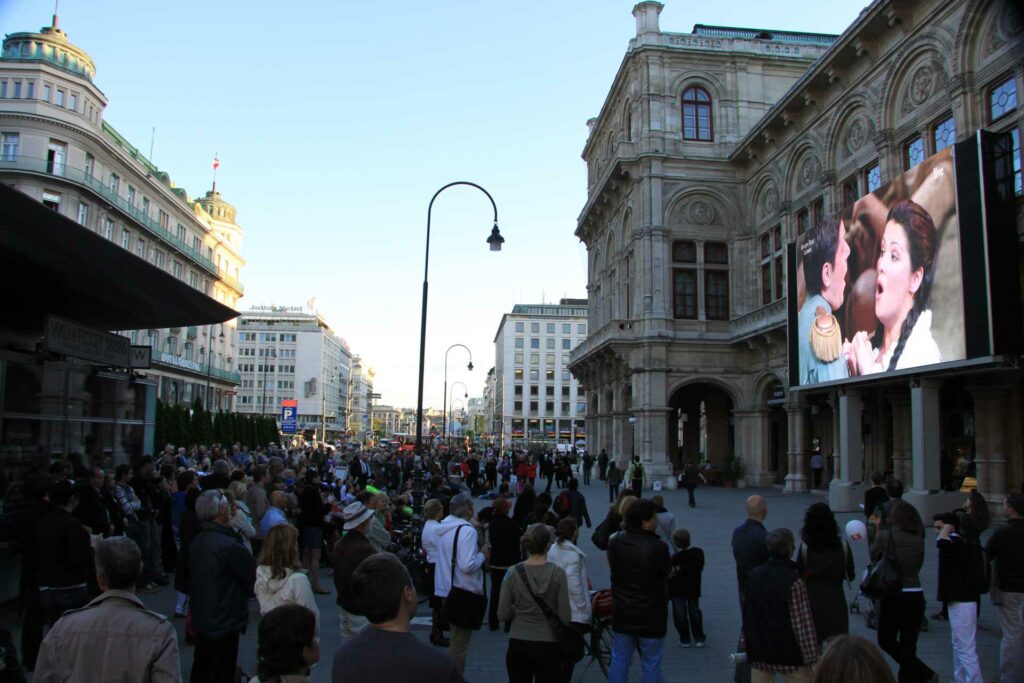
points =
(570, 641)
(463, 607)
(884, 579)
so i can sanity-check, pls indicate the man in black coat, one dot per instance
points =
(92, 507)
(602, 464)
(750, 551)
(64, 555)
(222, 574)
(640, 566)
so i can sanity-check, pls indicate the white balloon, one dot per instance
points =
(856, 531)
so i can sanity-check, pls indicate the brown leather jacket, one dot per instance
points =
(113, 638)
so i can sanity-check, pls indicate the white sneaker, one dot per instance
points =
(684, 645)
(700, 643)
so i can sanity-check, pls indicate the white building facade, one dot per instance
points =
(360, 399)
(56, 146)
(536, 398)
(288, 353)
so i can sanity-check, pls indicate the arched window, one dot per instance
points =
(697, 115)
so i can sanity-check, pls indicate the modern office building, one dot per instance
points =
(536, 399)
(716, 148)
(290, 353)
(56, 147)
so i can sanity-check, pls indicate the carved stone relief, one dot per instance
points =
(770, 202)
(809, 171)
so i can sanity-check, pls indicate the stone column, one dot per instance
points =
(796, 479)
(901, 443)
(924, 425)
(846, 491)
(990, 443)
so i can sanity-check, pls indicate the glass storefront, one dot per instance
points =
(71, 412)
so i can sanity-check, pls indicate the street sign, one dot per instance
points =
(289, 416)
(141, 357)
(71, 339)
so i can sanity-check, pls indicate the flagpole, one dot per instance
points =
(216, 164)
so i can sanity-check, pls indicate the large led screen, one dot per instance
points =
(879, 286)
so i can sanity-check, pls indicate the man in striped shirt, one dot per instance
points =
(778, 629)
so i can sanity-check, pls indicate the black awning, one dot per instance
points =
(50, 264)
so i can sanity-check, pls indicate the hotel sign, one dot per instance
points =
(178, 361)
(71, 339)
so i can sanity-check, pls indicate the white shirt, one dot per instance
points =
(429, 540)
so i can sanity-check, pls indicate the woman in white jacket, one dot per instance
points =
(566, 555)
(279, 576)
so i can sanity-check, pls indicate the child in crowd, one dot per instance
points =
(684, 590)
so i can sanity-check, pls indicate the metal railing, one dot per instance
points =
(95, 185)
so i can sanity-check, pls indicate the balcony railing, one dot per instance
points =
(92, 183)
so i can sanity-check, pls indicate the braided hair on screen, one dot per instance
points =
(922, 239)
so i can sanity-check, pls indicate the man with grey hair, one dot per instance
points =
(458, 547)
(778, 629)
(222, 576)
(114, 637)
(220, 479)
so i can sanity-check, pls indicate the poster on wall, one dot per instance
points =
(879, 286)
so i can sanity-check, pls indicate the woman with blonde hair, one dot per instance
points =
(433, 512)
(279, 576)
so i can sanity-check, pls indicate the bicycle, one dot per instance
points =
(598, 643)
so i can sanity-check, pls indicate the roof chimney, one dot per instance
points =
(646, 14)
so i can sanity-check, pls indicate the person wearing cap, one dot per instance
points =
(348, 553)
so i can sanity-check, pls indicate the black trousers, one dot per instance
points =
(690, 490)
(899, 623)
(497, 576)
(215, 659)
(638, 487)
(33, 618)
(529, 661)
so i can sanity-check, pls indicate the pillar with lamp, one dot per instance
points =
(495, 240)
(448, 419)
(444, 394)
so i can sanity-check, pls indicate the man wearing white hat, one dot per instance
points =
(348, 553)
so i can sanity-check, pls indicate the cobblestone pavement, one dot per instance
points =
(718, 511)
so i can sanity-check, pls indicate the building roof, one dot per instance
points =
(797, 37)
(52, 265)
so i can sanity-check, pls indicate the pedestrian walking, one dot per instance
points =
(567, 555)
(824, 561)
(961, 593)
(503, 535)
(639, 562)
(636, 476)
(114, 637)
(900, 616)
(279, 576)
(602, 465)
(288, 644)
(222, 576)
(684, 590)
(460, 562)
(588, 465)
(533, 652)
(778, 628)
(614, 482)
(387, 650)
(1006, 549)
(691, 479)
(817, 466)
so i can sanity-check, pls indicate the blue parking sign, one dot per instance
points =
(289, 415)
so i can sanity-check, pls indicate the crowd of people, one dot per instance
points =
(237, 525)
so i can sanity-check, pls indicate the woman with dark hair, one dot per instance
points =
(975, 517)
(852, 660)
(905, 272)
(288, 645)
(525, 501)
(899, 619)
(503, 535)
(187, 531)
(311, 527)
(824, 561)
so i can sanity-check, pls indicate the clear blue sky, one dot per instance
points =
(335, 122)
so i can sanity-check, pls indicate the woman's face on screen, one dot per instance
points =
(897, 280)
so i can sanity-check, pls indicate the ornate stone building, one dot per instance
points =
(714, 150)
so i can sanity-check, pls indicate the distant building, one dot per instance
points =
(56, 147)
(360, 398)
(288, 353)
(536, 399)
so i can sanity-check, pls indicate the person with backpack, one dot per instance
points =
(571, 503)
(961, 579)
(636, 476)
(614, 477)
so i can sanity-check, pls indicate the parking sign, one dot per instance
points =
(289, 415)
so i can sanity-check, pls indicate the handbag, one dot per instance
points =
(462, 607)
(570, 641)
(601, 535)
(884, 579)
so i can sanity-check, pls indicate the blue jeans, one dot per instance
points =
(651, 652)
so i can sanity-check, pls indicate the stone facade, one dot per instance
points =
(712, 152)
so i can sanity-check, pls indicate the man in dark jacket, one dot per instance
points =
(64, 555)
(640, 565)
(778, 629)
(222, 576)
(92, 507)
(750, 552)
(503, 535)
(602, 464)
(348, 553)
(577, 504)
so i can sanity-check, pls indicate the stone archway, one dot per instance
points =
(776, 431)
(700, 424)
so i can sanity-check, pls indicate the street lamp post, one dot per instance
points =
(495, 241)
(465, 389)
(632, 436)
(444, 394)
